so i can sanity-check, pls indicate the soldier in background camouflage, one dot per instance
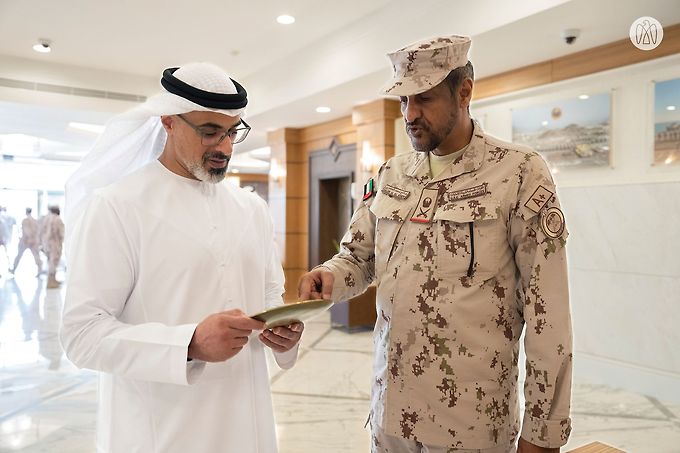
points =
(466, 242)
(53, 241)
(30, 239)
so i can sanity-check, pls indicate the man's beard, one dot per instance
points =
(211, 175)
(433, 138)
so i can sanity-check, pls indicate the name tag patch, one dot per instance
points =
(395, 192)
(464, 194)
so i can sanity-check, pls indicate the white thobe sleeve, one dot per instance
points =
(102, 275)
(274, 289)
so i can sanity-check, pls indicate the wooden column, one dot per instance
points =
(374, 123)
(288, 202)
(375, 135)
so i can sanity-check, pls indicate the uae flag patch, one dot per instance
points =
(369, 189)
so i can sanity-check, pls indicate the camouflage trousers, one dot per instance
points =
(34, 250)
(384, 443)
(53, 258)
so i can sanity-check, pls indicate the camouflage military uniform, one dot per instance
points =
(462, 263)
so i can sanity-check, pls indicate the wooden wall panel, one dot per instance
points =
(601, 58)
(518, 79)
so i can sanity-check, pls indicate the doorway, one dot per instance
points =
(330, 200)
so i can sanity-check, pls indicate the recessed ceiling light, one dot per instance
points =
(285, 19)
(544, 123)
(583, 96)
(43, 46)
(87, 127)
(670, 107)
(261, 153)
(323, 109)
(235, 170)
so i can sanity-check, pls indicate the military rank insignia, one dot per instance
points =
(369, 189)
(426, 206)
(552, 222)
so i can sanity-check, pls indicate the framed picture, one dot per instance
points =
(567, 133)
(667, 122)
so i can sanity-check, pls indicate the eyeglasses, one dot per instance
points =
(211, 136)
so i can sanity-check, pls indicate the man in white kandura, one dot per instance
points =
(165, 263)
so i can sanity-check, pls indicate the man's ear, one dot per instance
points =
(465, 92)
(166, 121)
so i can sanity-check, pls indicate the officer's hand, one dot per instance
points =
(283, 338)
(221, 336)
(524, 446)
(316, 284)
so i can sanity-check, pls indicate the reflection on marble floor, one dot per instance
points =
(321, 405)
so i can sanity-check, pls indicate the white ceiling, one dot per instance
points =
(334, 54)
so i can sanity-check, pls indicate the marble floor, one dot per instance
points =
(321, 405)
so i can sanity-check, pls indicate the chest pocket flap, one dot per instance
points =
(456, 222)
(388, 208)
(465, 211)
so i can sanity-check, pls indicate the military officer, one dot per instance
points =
(466, 242)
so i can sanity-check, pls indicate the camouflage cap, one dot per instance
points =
(425, 64)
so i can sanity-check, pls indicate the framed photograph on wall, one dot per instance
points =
(667, 122)
(569, 132)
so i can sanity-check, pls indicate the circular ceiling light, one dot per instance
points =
(285, 19)
(322, 109)
(43, 46)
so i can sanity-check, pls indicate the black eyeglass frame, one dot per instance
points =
(201, 131)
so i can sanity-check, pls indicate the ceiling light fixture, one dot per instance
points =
(86, 127)
(261, 153)
(670, 108)
(285, 19)
(322, 109)
(43, 46)
(583, 97)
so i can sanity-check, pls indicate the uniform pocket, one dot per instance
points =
(390, 214)
(469, 239)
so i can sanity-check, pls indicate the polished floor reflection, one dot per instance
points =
(321, 405)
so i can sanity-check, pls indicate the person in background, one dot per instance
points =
(7, 223)
(30, 240)
(53, 241)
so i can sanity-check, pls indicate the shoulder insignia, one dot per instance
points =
(552, 222)
(538, 199)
